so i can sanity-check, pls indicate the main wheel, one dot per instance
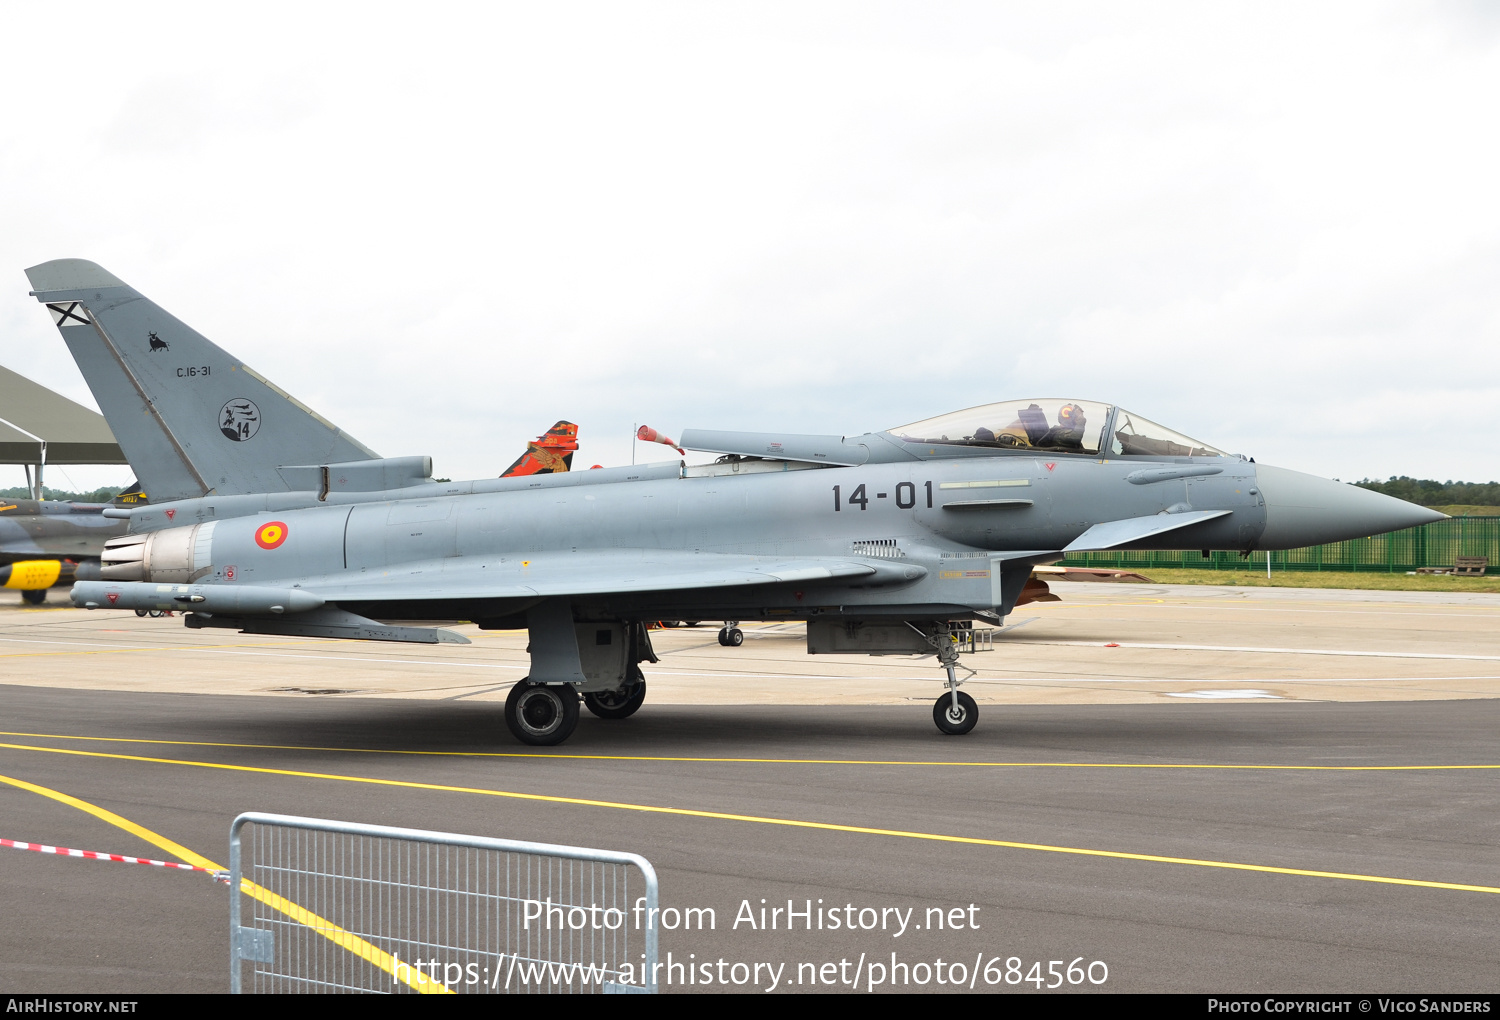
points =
(731, 637)
(953, 722)
(619, 704)
(37, 597)
(541, 714)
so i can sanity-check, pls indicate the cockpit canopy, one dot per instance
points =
(1055, 426)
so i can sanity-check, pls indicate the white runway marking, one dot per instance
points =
(520, 668)
(74, 644)
(1264, 651)
(1085, 678)
(1059, 678)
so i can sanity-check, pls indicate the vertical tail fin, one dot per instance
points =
(550, 454)
(191, 418)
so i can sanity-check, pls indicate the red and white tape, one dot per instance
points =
(97, 856)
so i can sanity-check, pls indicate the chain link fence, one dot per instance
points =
(1428, 545)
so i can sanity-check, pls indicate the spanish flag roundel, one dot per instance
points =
(269, 536)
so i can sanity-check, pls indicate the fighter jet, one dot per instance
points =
(888, 542)
(46, 543)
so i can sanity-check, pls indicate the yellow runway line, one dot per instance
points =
(154, 838)
(762, 820)
(324, 927)
(769, 761)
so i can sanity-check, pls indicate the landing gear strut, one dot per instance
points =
(542, 714)
(955, 712)
(730, 635)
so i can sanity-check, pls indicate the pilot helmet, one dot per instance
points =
(1071, 416)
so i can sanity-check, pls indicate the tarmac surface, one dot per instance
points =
(1320, 814)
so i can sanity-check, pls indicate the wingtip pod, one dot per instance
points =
(70, 275)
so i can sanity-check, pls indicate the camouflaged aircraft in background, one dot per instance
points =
(267, 518)
(47, 543)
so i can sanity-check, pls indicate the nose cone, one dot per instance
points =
(1308, 510)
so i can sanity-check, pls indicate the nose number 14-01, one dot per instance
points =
(906, 496)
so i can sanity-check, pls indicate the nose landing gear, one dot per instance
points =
(730, 635)
(955, 712)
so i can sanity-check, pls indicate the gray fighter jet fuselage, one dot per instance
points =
(885, 543)
(930, 521)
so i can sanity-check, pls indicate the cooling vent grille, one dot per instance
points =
(885, 548)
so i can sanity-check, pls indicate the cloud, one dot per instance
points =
(1273, 228)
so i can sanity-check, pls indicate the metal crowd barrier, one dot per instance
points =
(345, 907)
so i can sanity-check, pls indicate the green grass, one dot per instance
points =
(1467, 510)
(1324, 579)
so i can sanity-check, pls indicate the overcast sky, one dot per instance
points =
(1274, 227)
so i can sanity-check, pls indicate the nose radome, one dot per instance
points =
(1304, 509)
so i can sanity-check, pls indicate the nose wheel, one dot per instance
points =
(955, 713)
(730, 636)
(541, 714)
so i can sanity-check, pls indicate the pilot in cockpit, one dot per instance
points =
(1068, 434)
(1032, 429)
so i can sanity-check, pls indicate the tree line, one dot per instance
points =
(103, 495)
(1428, 492)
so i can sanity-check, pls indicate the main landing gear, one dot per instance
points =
(541, 714)
(546, 714)
(955, 712)
(594, 659)
(730, 635)
(36, 597)
(620, 704)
